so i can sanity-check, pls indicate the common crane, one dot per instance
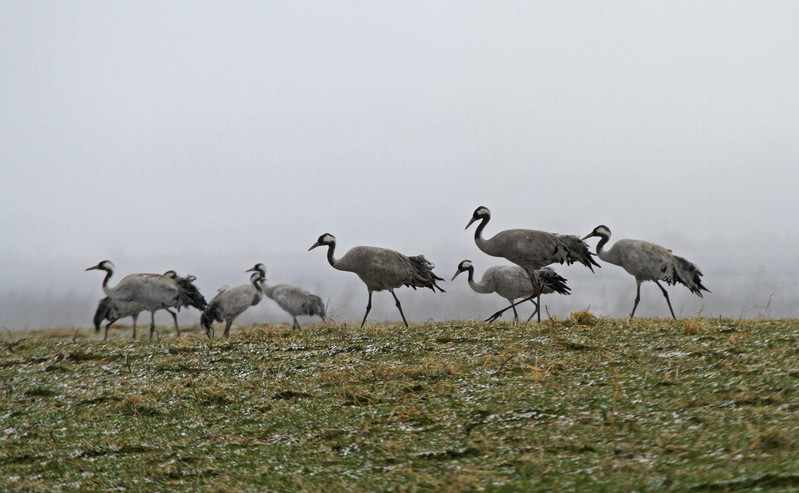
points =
(152, 291)
(293, 299)
(529, 249)
(382, 269)
(648, 262)
(512, 282)
(229, 303)
(112, 310)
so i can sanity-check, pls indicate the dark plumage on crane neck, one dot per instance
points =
(465, 266)
(483, 215)
(108, 267)
(330, 241)
(603, 232)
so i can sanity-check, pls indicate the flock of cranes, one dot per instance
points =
(382, 269)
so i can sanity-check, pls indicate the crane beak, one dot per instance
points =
(93, 267)
(252, 269)
(473, 219)
(588, 236)
(313, 246)
(456, 274)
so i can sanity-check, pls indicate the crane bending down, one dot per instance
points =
(530, 249)
(152, 291)
(648, 262)
(512, 282)
(293, 299)
(229, 303)
(112, 310)
(382, 269)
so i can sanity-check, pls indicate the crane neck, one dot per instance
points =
(331, 247)
(603, 240)
(470, 271)
(108, 274)
(478, 233)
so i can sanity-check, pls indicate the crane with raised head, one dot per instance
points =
(648, 262)
(530, 249)
(382, 269)
(152, 291)
(512, 282)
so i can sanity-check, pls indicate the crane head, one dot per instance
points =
(105, 265)
(481, 212)
(259, 267)
(325, 239)
(464, 266)
(602, 231)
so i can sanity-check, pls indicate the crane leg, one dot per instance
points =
(499, 313)
(108, 325)
(668, 302)
(400, 308)
(227, 327)
(297, 324)
(637, 299)
(368, 307)
(537, 309)
(515, 313)
(152, 324)
(175, 318)
(135, 319)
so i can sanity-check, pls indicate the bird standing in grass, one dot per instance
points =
(293, 299)
(529, 249)
(112, 310)
(152, 291)
(649, 262)
(229, 303)
(512, 282)
(382, 269)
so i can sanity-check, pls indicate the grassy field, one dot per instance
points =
(564, 405)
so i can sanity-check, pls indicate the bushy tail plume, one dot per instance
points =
(423, 275)
(314, 306)
(210, 315)
(685, 273)
(190, 295)
(572, 249)
(552, 282)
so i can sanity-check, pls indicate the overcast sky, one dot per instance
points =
(154, 131)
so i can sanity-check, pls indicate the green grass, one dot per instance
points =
(574, 405)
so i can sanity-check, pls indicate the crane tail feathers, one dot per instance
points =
(686, 273)
(210, 315)
(572, 249)
(552, 282)
(423, 275)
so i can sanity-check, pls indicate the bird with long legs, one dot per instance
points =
(152, 291)
(531, 250)
(229, 303)
(512, 282)
(648, 262)
(112, 310)
(382, 269)
(293, 299)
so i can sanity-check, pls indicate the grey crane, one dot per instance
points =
(648, 262)
(112, 310)
(529, 249)
(512, 282)
(293, 299)
(229, 303)
(382, 269)
(152, 291)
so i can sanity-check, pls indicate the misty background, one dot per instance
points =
(205, 137)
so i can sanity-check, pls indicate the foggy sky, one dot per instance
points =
(207, 136)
